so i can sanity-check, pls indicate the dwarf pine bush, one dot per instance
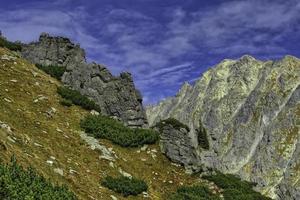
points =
(19, 184)
(53, 70)
(124, 185)
(10, 45)
(104, 127)
(78, 99)
(174, 122)
(234, 188)
(196, 192)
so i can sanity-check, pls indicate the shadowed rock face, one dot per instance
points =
(116, 96)
(251, 111)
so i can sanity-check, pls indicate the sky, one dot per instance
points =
(163, 43)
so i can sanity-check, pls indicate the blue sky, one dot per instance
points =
(163, 43)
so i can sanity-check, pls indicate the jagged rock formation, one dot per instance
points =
(175, 144)
(116, 96)
(250, 110)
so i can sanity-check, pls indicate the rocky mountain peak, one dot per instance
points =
(250, 111)
(117, 96)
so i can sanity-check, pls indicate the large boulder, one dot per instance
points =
(250, 110)
(116, 95)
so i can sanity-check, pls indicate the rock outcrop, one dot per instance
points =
(175, 144)
(251, 111)
(117, 96)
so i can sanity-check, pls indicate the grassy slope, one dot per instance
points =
(22, 83)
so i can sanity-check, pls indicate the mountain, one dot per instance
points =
(250, 111)
(116, 96)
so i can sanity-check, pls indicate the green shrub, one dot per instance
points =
(19, 184)
(234, 188)
(197, 192)
(66, 102)
(10, 45)
(107, 128)
(78, 99)
(174, 122)
(53, 70)
(202, 137)
(125, 185)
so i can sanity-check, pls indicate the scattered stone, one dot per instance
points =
(59, 130)
(113, 197)
(37, 144)
(144, 148)
(5, 127)
(50, 162)
(94, 144)
(52, 157)
(14, 80)
(123, 173)
(154, 150)
(145, 195)
(34, 73)
(13, 140)
(7, 100)
(93, 112)
(59, 171)
(72, 171)
(111, 164)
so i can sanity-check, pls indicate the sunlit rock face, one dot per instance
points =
(116, 95)
(251, 111)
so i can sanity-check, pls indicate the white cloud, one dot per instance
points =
(131, 40)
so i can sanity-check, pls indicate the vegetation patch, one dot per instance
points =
(234, 188)
(78, 99)
(171, 121)
(107, 128)
(10, 45)
(196, 192)
(53, 70)
(66, 102)
(124, 185)
(19, 184)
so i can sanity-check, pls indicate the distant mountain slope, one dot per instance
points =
(251, 111)
(46, 135)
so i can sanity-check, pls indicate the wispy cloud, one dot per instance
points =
(164, 49)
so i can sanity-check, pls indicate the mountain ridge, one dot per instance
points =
(225, 100)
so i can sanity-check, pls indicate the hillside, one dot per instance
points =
(43, 134)
(250, 112)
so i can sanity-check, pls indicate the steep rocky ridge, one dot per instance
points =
(117, 96)
(251, 112)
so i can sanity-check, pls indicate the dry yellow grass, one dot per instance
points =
(27, 102)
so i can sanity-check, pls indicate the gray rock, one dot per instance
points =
(116, 96)
(250, 110)
(59, 171)
(94, 144)
(176, 145)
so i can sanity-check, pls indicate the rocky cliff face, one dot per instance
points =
(116, 96)
(251, 111)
